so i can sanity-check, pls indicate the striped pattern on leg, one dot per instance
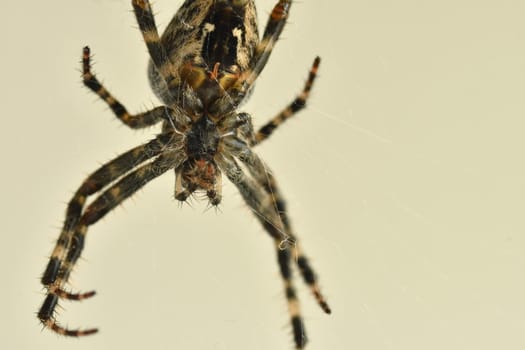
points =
(137, 121)
(262, 207)
(283, 259)
(264, 177)
(272, 31)
(297, 104)
(157, 52)
(70, 242)
(107, 201)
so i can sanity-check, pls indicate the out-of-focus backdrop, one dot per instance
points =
(405, 179)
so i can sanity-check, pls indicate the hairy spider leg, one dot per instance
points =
(277, 226)
(110, 198)
(159, 57)
(308, 274)
(140, 120)
(272, 31)
(256, 168)
(295, 106)
(70, 242)
(264, 177)
(104, 175)
(261, 204)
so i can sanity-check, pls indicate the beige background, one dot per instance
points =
(405, 178)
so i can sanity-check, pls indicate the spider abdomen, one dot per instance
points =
(211, 42)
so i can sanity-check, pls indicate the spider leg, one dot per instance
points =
(106, 174)
(157, 52)
(108, 200)
(272, 31)
(299, 333)
(297, 104)
(69, 243)
(136, 121)
(264, 177)
(261, 204)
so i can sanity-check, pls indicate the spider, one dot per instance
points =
(201, 68)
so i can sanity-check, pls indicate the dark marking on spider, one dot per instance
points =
(201, 68)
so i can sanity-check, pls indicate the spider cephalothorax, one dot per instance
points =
(202, 68)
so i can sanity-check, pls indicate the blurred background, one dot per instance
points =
(405, 179)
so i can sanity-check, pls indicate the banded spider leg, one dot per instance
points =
(270, 207)
(131, 174)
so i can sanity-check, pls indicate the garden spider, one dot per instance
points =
(202, 68)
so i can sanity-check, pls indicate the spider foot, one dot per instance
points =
(51, 324)
(64, 294)
(311, 280)
(321, 300)
(74, 296)
(45, 315)
(86, 60)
